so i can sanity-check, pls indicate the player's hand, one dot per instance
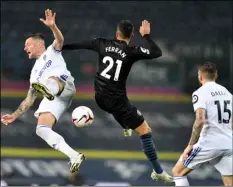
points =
(187, 152)
(144, 28)
(7, 119)
(49, 18)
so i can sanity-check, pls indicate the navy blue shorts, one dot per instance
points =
(125, 113)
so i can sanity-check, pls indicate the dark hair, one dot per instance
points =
(36, 36)
(126, 28)
(209, 69)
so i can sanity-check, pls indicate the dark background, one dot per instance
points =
(189, 33)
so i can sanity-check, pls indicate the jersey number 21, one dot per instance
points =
(110, 66)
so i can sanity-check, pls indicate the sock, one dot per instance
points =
(55, 140)
(52, 85)
(181, 181)
(150, 151)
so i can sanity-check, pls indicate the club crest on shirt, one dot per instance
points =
(44, 57)
(195, 99)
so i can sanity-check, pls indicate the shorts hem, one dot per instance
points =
(37, 114)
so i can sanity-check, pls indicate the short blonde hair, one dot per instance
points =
(209, 69)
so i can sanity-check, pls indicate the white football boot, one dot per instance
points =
(163, 176)
(76, 162)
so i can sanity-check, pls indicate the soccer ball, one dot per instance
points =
(82, 116)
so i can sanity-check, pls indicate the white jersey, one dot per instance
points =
(50, 63)
(217, 130)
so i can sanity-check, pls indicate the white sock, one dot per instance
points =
(55, 140)
(52, 85)
(181, 181)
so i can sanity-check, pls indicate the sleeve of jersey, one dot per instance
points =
(153, 51)
(52, 49)
(198, 101)
(88, 44)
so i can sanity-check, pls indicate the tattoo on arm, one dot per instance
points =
(26, 104)
(197, 126)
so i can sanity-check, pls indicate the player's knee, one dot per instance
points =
(229, 183)
(175, 172)
(148, 130)
(46, 118)
(179, 170)
(228, 180)
(58, 82)
(143, 129)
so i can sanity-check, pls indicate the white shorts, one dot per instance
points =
(60, 103)
(221, 159)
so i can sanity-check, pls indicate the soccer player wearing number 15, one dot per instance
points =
(211, 139)
(116, 58)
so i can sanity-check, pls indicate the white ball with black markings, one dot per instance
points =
(82, 116)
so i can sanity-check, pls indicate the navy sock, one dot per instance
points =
(150, 151)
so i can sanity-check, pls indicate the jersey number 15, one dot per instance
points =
(225, 110)
(110, 66)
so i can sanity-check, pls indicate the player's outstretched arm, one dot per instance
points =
(154, 50)
(88, 44)
(23, 107)
(49, 21)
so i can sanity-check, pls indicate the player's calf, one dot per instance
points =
(150, 151)
(56, 141)
(148, 146)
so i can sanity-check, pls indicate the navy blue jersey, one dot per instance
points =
(115, 61)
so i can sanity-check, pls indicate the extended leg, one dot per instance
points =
(56, 141)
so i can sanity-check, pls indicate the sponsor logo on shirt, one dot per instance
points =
(47, 65)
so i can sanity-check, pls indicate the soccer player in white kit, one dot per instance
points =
(49, 77)
(211, 139)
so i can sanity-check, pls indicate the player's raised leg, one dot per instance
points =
(50, 88)
(150, 151)
(56, 141)
(127, 115)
